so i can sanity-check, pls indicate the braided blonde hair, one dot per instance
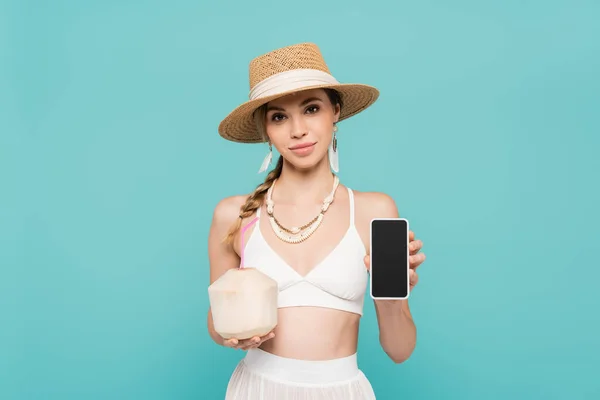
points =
(256, 198)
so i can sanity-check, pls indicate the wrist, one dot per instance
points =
(395, 307)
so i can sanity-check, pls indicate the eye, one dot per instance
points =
(312, 109)
(277, 117)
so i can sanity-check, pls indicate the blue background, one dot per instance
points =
(486, 134)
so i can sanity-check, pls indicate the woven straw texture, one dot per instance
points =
(305, 55)
(239, 125)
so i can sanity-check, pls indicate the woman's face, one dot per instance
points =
(300, 126)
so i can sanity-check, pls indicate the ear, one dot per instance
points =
(336, 113)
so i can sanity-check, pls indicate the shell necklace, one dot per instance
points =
(298, 234)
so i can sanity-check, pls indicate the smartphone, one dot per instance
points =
(389, 259)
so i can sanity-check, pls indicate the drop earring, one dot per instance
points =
(334, 161)
(267, 161)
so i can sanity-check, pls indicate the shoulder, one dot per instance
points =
(227, 210)
(221, 251)
(226, 216)
(371, 205)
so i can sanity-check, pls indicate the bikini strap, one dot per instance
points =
(351, 198)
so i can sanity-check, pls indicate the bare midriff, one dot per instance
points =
(314, 333)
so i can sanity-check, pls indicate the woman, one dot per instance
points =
(312, 236)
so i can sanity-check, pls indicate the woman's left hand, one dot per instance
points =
(416, 258)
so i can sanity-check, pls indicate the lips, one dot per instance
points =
(301, 146)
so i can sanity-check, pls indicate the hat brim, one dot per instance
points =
(239, 125)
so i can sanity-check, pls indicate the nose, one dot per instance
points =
(298, 128)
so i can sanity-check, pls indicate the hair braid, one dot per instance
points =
(255, 200)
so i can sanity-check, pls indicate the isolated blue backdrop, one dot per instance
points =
(486, 134)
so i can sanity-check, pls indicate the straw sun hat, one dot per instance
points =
(285, 71)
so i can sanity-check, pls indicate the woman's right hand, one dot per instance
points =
(247, 344)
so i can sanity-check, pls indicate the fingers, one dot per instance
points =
(250, 343)
(413, 278)
(247, 344)
(238, 344)
(256, 341)
(415, 246)
(417, 260)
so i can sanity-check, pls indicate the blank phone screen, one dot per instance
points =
(389, 258)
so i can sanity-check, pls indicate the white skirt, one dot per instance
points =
(265, 376)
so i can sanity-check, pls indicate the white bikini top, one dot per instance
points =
(339, 281)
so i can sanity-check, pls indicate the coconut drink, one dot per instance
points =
(243, 301)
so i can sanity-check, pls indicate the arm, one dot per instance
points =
(222, 256)
(397, 330)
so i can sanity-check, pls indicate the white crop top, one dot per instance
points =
(339, 281)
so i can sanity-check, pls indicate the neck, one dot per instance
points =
(297, 187)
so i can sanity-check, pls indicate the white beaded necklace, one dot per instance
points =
(298, 234)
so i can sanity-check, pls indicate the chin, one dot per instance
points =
(305, 163)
